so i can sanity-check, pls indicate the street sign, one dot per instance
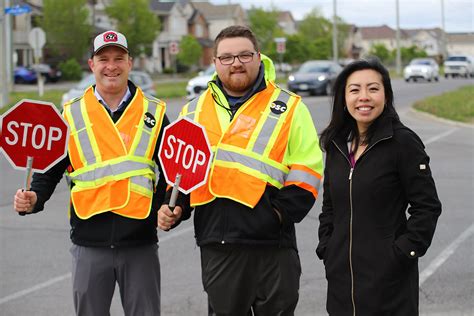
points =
(18, 9)
(280, 45)
(33, 129)
(185, 151)
(37, 39)
(174, 48)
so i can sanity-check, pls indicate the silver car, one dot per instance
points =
(139, 78)
(314, 76)
(421, 68)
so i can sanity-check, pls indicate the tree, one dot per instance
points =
(189, 51)
(381, 51)
(408, 53)
(265, 26)
(67, 28)
(136, 22)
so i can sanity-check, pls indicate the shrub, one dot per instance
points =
(70, 69)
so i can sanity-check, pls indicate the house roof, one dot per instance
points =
(460, 37)
(157, 5)
(215, 12)
(434, 32)
(378, 32)
(285, 16)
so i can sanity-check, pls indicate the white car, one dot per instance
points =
(421, 68)
(459, 65)
(198, 84)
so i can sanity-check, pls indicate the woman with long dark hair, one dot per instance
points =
(376, 171)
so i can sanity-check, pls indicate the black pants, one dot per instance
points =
(250, 280)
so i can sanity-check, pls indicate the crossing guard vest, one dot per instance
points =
(249, 153)
(113, 163)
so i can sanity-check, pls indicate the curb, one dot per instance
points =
(440, 119)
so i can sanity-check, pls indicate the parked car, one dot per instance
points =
(421, 68)
(139, 78)
(199, 83)
(50, 73)
(314, 76)
(24, 75)
(459, 65)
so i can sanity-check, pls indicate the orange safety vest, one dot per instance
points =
(113, 162)
(249, 154)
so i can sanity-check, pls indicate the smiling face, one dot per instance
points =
(111, 66)
(365, 97)
(237, 78)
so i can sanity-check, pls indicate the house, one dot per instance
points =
(430, 40)
(286, 22)
(221, 16)
(21, 26)
(460, 43)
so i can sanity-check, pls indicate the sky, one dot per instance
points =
(458, 14)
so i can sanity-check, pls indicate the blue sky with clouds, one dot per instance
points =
(458, 14)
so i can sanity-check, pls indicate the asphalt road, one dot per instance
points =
(35, 263)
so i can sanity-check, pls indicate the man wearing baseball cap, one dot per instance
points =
(115, 192)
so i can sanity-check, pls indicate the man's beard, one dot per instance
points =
(238, 85)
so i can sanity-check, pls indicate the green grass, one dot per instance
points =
(170, 89)
(455, 105)
(53, 96)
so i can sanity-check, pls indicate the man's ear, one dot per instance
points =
(90, 62)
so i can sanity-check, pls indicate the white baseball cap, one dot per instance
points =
(109, 38)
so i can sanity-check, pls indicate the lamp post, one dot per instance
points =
(399, 56)
(334, 33)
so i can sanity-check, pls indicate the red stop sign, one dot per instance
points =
(33, 129)
(185, 150)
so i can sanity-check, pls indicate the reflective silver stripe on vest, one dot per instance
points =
(252, 163)
(147, 131)
(192, 106)
(111, 170)
(82, 136)
(142, 181)
(269, 126)
(301, 176)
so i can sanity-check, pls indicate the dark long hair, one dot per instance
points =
(341, 120)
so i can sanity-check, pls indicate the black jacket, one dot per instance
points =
(370, 249)
(107, 229)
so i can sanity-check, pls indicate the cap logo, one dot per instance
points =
(110, 37)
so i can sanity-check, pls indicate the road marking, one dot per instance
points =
(34, 288)
(439, 136)
(445, 254)
(63, 277)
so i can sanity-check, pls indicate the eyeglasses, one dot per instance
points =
(229, 59)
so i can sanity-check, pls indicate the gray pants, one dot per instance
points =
(95, 270)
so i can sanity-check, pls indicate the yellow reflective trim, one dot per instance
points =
(278, 127)
(262, 120)
(255, 156)
(250, 171)
(101, 181)
(85, 169)
(90, 134)
(74, 133)
(142, 190)
(160, 110)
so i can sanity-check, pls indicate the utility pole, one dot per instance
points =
(444, 44)
(399, 56)
(335, 56)
(3, 57)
